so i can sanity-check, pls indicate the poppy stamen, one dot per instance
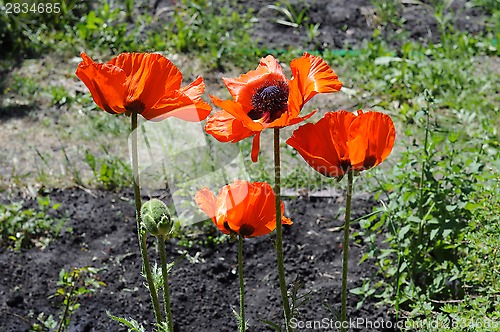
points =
(136, 106)
(269, 102)
(246, 230)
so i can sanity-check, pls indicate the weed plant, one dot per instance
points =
(429, 217)
(23, 228)
(73, 286)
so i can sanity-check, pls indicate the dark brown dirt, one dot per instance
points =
(203, 292)
(346, 24)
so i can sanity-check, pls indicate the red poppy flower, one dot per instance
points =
(342, 141)
(266, 98)
(146, 83)
(244, 208)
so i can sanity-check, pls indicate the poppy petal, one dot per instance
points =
(226, 128)
(371, 139)
(271, 226)
(268, 68)
(311, 75)
(316, 161)
(256, 147)
(236, 110)
(150, 76)
(255, 210)
(199, 112)
(207, 202)
(178, 105)
(105, 83)
(341, 141)
(315, 140)
(238, 200)
(272, 65)
(265, 209)
(195, 89)
(285, 220)
(201, 109)
(323, 144)
(287, 121)
(221, 210)
(339, 124)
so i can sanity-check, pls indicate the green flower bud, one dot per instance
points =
(156, 218)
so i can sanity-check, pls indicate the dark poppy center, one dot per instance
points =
(246, 230)
(136, 106)
(269, 102)
(345, 165)
(369, 162)
(226, 226)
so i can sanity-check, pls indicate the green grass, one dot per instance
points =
(23, 228)
(290, 14)
(446, 109)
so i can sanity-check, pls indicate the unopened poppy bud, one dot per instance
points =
(156, 218)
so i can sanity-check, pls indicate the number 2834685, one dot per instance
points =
(33, 8)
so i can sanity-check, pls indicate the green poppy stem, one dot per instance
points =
(166, 292)
(279, 231)
(343, 314)
(242, 284)
(141, 234)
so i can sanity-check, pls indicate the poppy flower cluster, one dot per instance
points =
(341, 142)
(145, 83)
(242, 207)
(266, 98)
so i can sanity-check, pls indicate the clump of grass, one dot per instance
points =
(218, 33)
(478, 268)
(109, 172)
(388, 15)
(290, 14)
(25, 34)
(23, 228)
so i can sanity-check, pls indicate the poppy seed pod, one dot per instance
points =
(156, 217)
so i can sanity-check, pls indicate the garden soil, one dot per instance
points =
(204, 285)
(346, 24)
(101, 231)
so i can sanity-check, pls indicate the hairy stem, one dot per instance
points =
(242, 285)
(345, 261)
(62, 323)
(279, 231)
(166, 292)
(141, 235)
